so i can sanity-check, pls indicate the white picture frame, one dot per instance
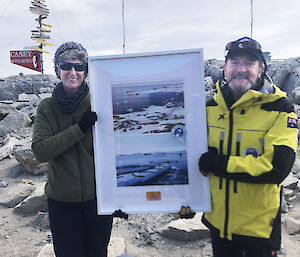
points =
(151, 131)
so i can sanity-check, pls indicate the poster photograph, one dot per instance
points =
(151, 131)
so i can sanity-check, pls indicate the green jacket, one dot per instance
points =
(259, 134)
(58, 140)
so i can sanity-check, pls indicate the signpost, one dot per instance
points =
(32, 58)
(39, 34)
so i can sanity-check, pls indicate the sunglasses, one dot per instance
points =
(67, 66)
(243, 43)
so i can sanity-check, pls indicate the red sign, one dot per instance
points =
(30, 59)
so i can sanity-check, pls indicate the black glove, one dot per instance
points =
(87, 121)
(185, 213)
(120, 214)
(211, 161)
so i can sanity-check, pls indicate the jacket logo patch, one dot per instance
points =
(252, 151)
(222, 116)
(292, 123)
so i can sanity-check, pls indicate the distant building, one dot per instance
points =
(267, 56)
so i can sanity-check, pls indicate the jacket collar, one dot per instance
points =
(268, 93)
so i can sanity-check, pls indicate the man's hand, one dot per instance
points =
(207, 161)
(87, 121)
(185, 213)
(211, 161)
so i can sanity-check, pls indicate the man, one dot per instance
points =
(252, 139)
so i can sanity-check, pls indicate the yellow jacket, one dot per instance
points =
(258, 133)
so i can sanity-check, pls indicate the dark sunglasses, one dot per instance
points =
(243, 43)
(67, 66)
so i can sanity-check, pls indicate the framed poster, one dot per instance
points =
(151, 131)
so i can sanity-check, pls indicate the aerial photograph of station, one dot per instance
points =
(152, 115)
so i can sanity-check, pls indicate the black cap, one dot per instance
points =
(244, 45)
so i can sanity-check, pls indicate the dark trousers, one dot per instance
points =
(225, 248)
(77, 230)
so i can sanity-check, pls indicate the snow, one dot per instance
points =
(153, 119)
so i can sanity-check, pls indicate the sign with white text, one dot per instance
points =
(30, 59)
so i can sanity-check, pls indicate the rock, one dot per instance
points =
(296, 166)
(14, 194)
(47, 251)
(290, 182)
(296, 95)
(186, 230)
(216, 62)
(33, 204)
(215, 72)
(116, 247)
(27, 181)
(3, 184)
(44, 95)
(42, 220)
(288, 193)
(7, 148)
(5, 109)
(209, 83)
(279, 73)
(27, 97)
(19, 105)
(284, 206)
(28, 84)
(26, 158)
(9, 91)
(293, 81)
(292, 225)
(13, 121)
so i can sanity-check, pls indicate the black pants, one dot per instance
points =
(225, 248)
(77, 230)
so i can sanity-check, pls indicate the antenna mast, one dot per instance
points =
(123, 26)
(251, 18)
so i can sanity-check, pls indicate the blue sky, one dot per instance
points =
(151, 25)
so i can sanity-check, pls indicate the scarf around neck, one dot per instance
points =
(70, 103)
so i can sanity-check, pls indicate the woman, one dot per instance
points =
(63, 137)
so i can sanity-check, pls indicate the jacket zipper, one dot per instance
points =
(222, 135)
(227, 180)
(79, 165)
(237, 153)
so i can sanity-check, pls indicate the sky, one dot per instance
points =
(150, 26)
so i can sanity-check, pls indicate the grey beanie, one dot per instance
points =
(63, 47)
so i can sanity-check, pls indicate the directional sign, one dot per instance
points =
(40, 11)
(43, 42)
(40, 30)
(39, 36)
(30, 47)
(38, 4)
(41, 18)
(40, 50)
(30, 59)
(47, 25)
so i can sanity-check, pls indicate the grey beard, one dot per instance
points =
(240, 91)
